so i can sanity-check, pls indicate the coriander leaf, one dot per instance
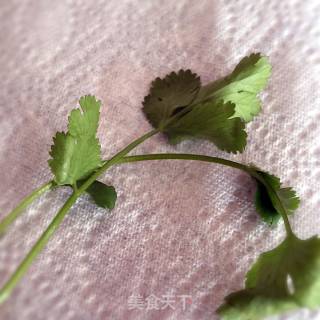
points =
(263, 202)
(76, 154)
(103, 195)
(84, 122)
(242, 86)
(283, 279)
(211, 120)
(174, 91)
(175, 102)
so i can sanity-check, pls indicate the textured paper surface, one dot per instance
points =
(178, 227)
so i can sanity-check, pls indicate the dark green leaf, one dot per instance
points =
(103, 195)
(263, 202)
(174, 91)
(211, 120)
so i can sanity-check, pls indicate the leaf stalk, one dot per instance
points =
(17, 211)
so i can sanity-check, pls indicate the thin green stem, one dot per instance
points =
(36, 249)
(184, 156)
(16, 212)
(175, 117)
(43, 240)
(278, 204)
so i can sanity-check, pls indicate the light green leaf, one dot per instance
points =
(76, 154)
(173, 92)
(103, 195)
(211, 120)
(263, 202)
(283, 279)
(242, 86)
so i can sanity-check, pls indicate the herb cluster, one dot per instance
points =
(178, 106)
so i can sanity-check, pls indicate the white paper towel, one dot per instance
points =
(179, 228)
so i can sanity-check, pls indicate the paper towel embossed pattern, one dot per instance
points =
(37, 92)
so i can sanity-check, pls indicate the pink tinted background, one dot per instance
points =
(178, 227)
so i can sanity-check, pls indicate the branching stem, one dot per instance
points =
(43, 240)
(119, 158)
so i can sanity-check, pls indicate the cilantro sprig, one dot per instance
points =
(179, 107)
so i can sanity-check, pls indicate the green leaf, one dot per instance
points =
(283, 279)
(176, 90)
(76, 154)
(263, 199)
(211, 120)
(103, 195)
(242, 86)
(178, 105)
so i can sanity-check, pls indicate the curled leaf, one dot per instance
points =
(263, 200)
